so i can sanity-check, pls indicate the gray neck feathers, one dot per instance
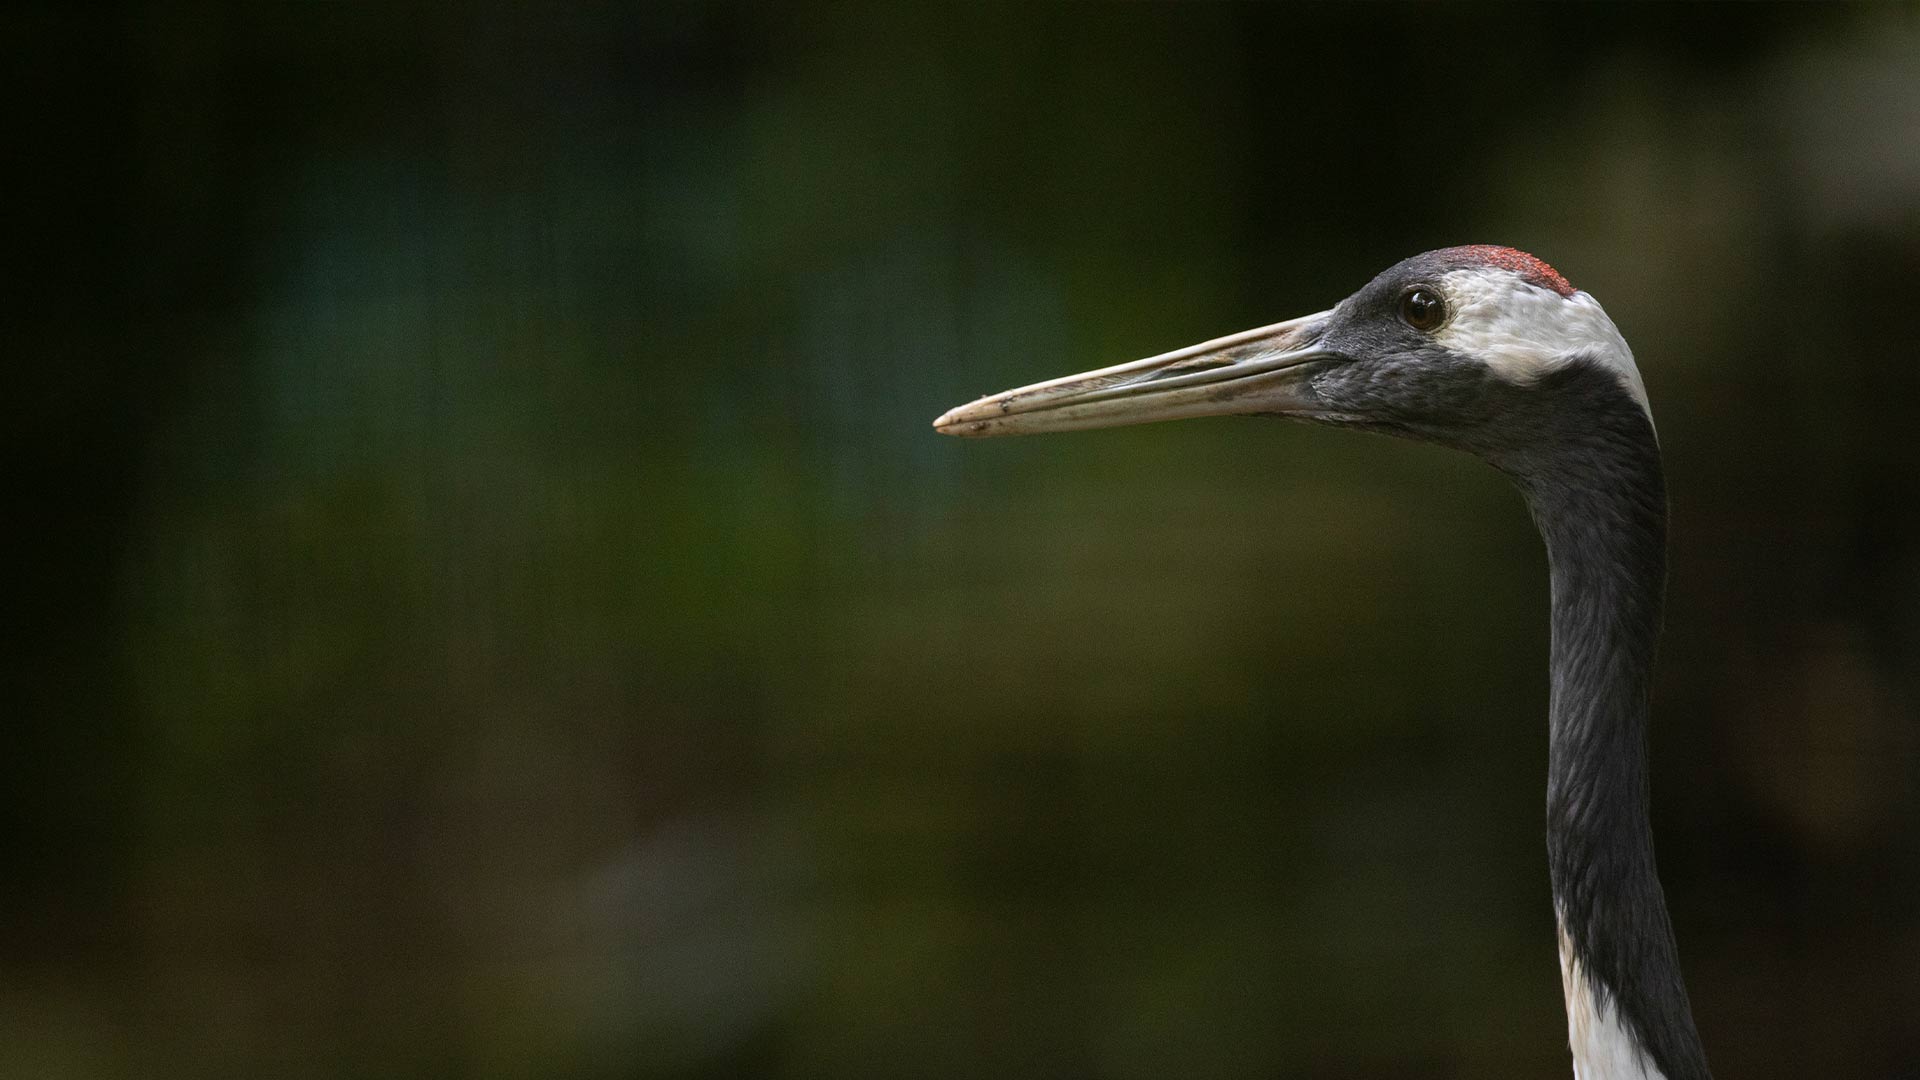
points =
(1598, 495)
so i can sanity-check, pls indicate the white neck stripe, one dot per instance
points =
(1603, 1047)
(1523, 331)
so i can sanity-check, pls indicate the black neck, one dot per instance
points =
(1599, 498)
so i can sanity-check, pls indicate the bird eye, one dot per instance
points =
(1422, 309)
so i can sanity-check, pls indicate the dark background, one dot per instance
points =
(491, 605)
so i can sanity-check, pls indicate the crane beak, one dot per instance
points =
(1255, 371)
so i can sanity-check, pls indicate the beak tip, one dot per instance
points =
(960, 429)
(962, 421)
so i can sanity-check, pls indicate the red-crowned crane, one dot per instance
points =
(1489, 350)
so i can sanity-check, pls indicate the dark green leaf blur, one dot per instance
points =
(492, 604)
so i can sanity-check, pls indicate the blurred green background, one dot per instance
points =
(492, 604)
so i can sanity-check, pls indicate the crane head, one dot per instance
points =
(1458, 346)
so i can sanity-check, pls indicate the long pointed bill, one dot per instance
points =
(1255, 371)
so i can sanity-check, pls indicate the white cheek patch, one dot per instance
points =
(1602, 1047)
(1523, 331)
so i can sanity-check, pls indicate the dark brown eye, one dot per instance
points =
(1423, 309)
